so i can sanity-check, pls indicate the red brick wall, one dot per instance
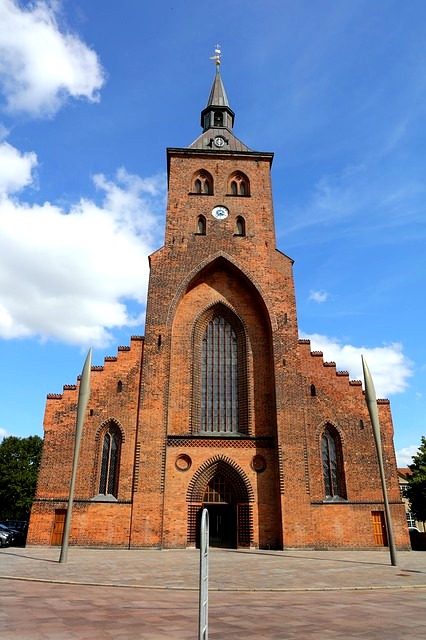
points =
(157, 412)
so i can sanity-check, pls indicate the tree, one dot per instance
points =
(19, 464)
(416, 488)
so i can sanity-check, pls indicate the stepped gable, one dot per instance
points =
(97, 368)
(316, 358)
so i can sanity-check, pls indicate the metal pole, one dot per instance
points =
(203, 617)
(83, 399)
(370, 398)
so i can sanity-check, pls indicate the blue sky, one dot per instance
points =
(91, 94)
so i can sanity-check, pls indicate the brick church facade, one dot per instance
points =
(219, 404)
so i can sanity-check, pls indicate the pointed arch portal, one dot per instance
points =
(224, 490)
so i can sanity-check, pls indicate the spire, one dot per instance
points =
(217, 119)
(217, 113)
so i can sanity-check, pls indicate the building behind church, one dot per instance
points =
(219, 405)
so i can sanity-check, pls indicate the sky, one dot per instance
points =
(92, 93)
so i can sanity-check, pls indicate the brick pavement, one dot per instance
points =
(253, 594)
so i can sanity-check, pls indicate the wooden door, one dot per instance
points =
(58, 527)
(379, 528)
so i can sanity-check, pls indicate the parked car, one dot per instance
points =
(417, 539)
(6, 536)
(18, 531)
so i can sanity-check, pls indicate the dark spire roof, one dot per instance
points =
(217, 95)
(217, 120)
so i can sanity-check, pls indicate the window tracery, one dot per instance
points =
(332, 464)
(202, 183)
(108, 484)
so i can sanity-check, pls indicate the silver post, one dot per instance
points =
(203, 617)
(370, 398)
(83, 399)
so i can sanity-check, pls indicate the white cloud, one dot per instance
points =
(404, 456)
(68, 275)
(389, 367)
(40, 65)
(318, 296)
(3, 433)
(15, 168)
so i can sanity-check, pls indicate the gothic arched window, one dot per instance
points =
(108, 484)
(202, 183)
(239, 184)
(240, 229)
(219, 378)
(201, 225)
(332, 464)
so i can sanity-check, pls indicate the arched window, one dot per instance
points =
(108, 484)
(202, 183)
(240, 227)
(201, 225)
(313, 390)
(332, 464)
(219, 378)
(239, 184)
(218, 119)
(119, 386)
(218, 490)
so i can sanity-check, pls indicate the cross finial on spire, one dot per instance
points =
(217, 56)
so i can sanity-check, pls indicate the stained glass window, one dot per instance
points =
(110, 461)
(332, 463)
(219, 377)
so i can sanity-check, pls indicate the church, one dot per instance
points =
(219, 405)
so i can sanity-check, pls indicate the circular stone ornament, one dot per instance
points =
(183, 462)
(258, 464)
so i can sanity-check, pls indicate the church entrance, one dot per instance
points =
(223, 489)
(219, 500)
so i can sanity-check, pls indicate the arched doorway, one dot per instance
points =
(219, 500)
(223, 488)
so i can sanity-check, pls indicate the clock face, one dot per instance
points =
(219, 141)
(220, 213)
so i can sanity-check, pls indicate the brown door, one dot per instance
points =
(379, 528)
(58, 527)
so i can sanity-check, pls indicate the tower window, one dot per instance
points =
(108, 484)
(201, 225)
(239, 184)
(202, 183)
(240, 227)
(332, 464)
(313, 390)
(218, 119)
(119, 386)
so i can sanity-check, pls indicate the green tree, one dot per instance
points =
(19, 464)
(416, 488)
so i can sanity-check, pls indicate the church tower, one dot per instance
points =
(220, 405)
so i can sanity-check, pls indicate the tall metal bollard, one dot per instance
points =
(370, 399)
(203, 617)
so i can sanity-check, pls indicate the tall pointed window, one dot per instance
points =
(201, 225)
(332, 464)
(108, 484)
(219, 376)
(240, 226)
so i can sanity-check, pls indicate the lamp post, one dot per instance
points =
(83, 399)
(370, 398)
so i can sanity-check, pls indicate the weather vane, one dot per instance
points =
(217, 56)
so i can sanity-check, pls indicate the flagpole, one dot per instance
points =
(370, 398)
(83, 399)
